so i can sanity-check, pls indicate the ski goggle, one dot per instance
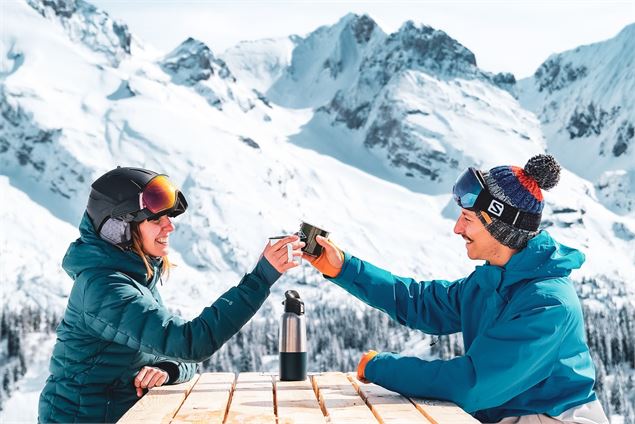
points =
(467, 188)
(470, 192)
(158, 197)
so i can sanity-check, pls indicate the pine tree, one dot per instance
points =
(6, 380)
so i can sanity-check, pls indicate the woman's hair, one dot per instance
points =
(137, 247)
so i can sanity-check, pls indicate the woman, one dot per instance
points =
(116, 338)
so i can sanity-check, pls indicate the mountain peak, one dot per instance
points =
(325, 61)
(193, 61)
(64, 8)
(430, 48)
(583, 99)
(86, 23)
(412, 47)
(411, 27)
(362, 26)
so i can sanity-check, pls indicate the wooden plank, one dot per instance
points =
(388, 407)
(208, 399)
(252, 399)
(441, 412)
(339, 399)
(160, 404)
(296, 403)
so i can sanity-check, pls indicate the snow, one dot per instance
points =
(309, 165)
(323, 63)
(259, 63)
(22, 405)
(32, 239)
(594, 82)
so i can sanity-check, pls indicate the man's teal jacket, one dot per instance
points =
(115, 323)
(523, 333)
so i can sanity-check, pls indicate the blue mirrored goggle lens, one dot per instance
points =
(466, 189)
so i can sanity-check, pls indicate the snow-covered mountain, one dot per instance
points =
(83, 22)
(325, 61)
(351, 129)
(584, 100)
(192, 64)
(258, 64)
(381, 94)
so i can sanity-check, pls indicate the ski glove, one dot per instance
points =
(361, 367)
(330, 261)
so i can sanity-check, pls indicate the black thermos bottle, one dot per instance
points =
(292, 339)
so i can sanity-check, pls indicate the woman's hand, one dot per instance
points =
(278, 253)
(330, 260)
(148, 378)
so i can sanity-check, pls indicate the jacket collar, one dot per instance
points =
(543, 257)
(92, 252)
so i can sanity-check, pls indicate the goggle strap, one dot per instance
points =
(479, 178)
(507, 213)
(527, 221)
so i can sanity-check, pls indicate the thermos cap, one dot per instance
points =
(293, 303)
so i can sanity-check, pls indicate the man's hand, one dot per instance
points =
(148, 378)
(361, 367)
(278, 253)
(330, 261)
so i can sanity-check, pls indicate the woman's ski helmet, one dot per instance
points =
(126, 195)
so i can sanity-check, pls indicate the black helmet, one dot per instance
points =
(126, 195)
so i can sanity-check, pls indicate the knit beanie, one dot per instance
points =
(521, 188)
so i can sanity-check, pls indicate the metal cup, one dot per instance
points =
(307, 234)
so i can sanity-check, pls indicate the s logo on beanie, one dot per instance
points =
(496, 208)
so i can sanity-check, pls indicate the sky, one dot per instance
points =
(506, 36)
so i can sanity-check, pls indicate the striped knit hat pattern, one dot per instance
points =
(521, 188)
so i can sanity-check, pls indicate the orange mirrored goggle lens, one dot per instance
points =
(159, 195)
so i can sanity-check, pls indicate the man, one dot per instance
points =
(526, 357)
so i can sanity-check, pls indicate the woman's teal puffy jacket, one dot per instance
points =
(115, 323)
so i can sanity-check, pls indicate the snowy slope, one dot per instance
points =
(325, 61)
(259, 63)
(30, 237)
(252, 168)
(583, 98)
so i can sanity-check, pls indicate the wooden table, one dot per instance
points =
(332, 397)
